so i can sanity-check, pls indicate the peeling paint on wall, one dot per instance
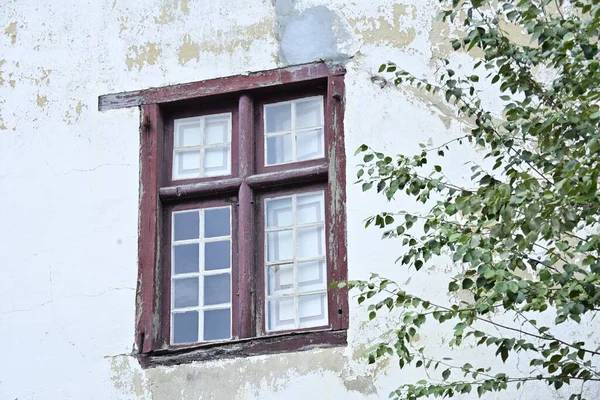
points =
(44, 77)
(188, 50)
(127, 379)
(2, 62)
(387, 27)
(73, 114)
(41, 101)
(170, 10)
(139, 56)
(11, 32)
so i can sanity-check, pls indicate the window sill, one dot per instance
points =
(272, 344)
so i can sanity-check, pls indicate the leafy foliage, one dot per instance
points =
(526, 230)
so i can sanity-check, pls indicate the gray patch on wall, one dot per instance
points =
(314, 34)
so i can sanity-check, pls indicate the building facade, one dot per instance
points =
(74, 184)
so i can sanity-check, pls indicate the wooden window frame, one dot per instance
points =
(250, 181)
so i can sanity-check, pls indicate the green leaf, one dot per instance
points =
(446, 374)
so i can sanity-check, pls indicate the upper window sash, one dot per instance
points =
(202, 146)
(293, 131)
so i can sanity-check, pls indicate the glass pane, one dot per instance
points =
(309, 144)
(311, 242)
(309, 113)
(216, 161)
(217, 324)
(312, 310)
(187, 225)
(281, 314)
(309, 208)
(185, 258)
(187, 162)
(280, 245)
(217, 255)
(185, 292)
(189, 133)
(216, 130)
(217, 289)
(185, 327)
(279, 212)
(279, 149)
(311, 276)
(278, 117)
(216, 222)
(281, 279)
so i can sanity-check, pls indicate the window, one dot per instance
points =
(242, 218)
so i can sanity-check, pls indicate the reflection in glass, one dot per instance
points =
(280, 245)
(187, 225)
(185, 327)
(281, 314)
(217, 255)
(280, 279)
(309, 113)
(217, 289)
(185, 292)
(217, 324)
(312, 310)
(310, 242)
(279, 149)
(186, 258)
(217, 222)
(279, 212)
(278, 117)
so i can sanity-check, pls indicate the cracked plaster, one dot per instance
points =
(70, 174)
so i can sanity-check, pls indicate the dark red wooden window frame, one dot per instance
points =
(248, 183)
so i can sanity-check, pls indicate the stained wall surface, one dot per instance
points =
(69, 183)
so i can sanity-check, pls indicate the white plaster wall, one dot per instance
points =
(69, 184)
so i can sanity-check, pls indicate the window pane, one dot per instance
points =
(312, 310)
(187, 162)
(311, 276)
(185, 327)
(309, 208)
(216, 161)
(217, 289)
(280, 245)
(281, 279)
(310, 242)
(278, 117)
(187, 225)
(281, 314)
(185, 258)
(217, 255)
(309, 113)
(309, 144)
(216, 222)
(279, 212)
(217, 324)
(189, 134)
(279, 149)
(216, 130)
(185, 292)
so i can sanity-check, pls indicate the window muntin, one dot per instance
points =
(293, 131)
(295, 262)
(201, 275)
(202, 146)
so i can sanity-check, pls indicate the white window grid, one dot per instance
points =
(294, 132)
(200, 275)
(202, 147)
(295, 295)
